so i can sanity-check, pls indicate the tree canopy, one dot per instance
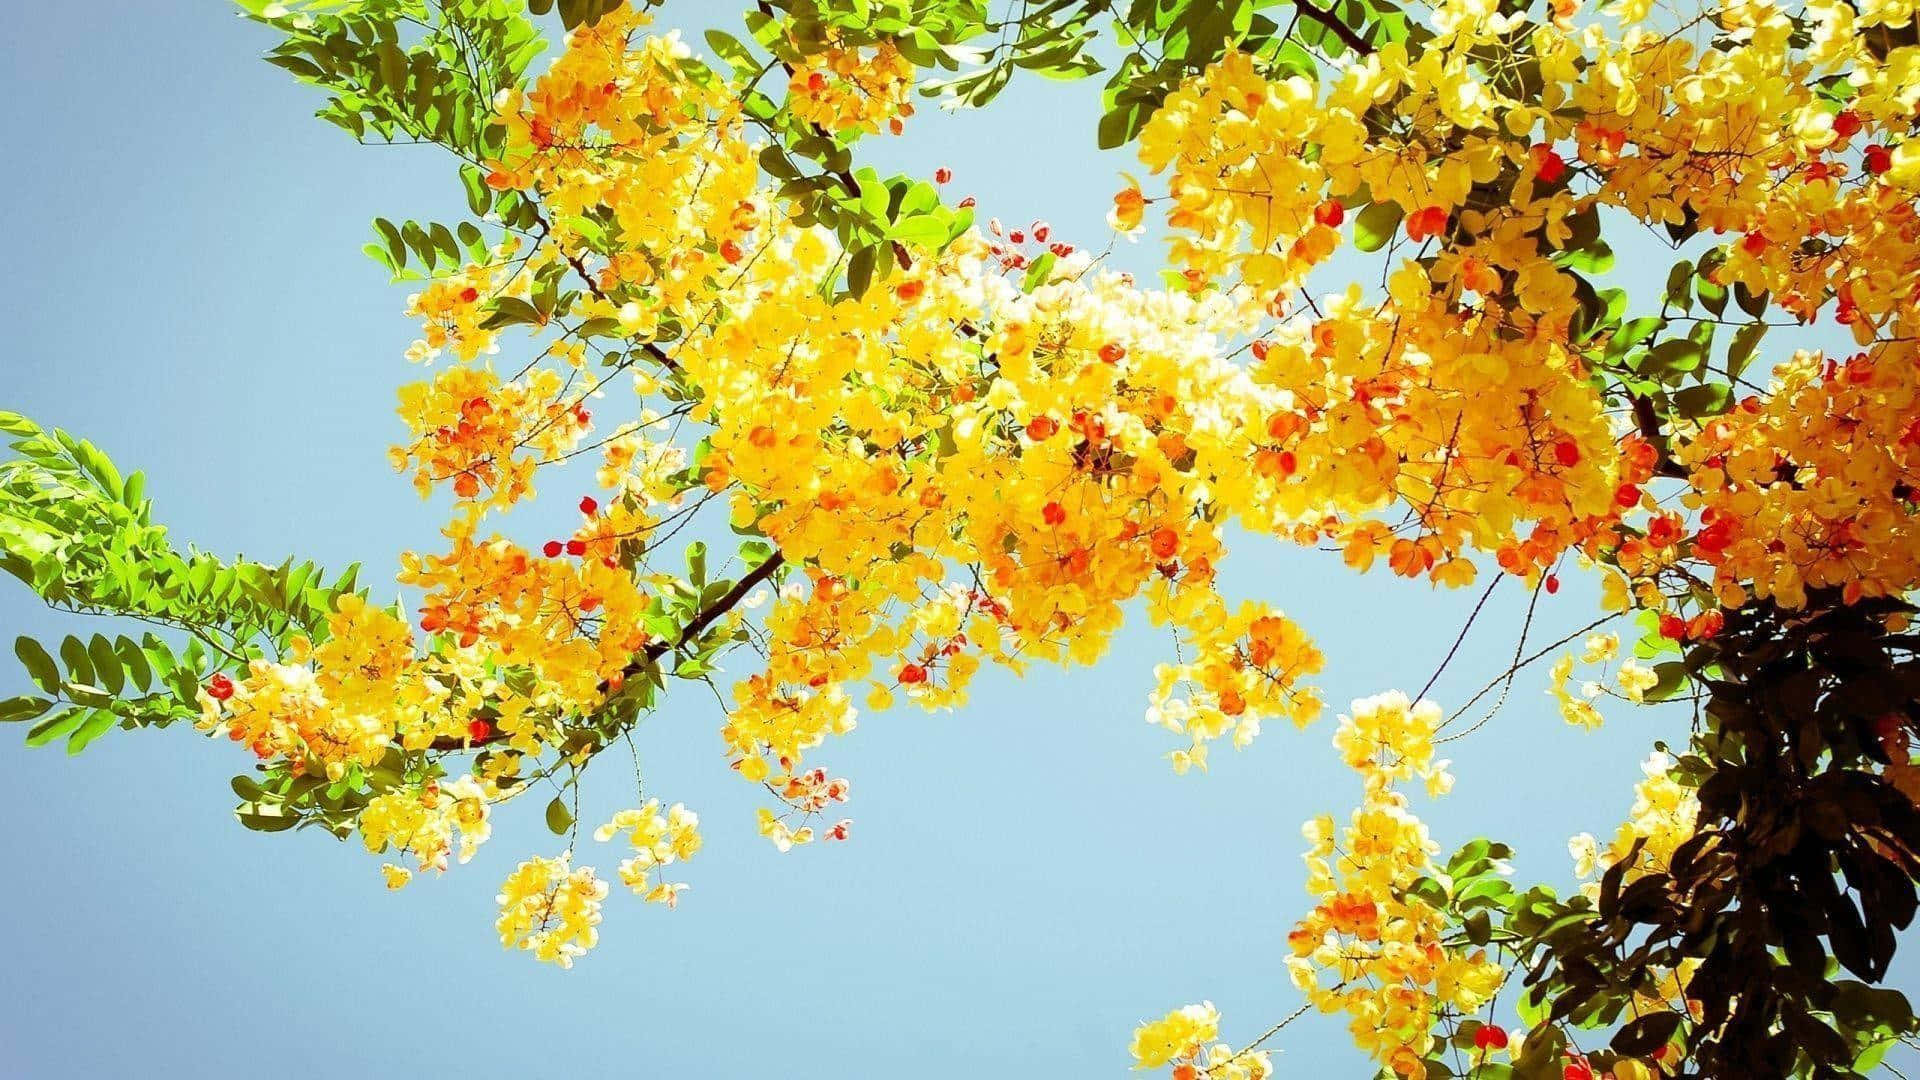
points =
(945, 443)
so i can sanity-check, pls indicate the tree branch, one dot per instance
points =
(727, 602)
(1325, 17)
(1648, 422)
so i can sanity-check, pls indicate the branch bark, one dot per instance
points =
(727, 602)
(1647, 420)
(1347, 34)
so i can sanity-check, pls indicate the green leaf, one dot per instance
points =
(1632, 334)
(1676, 355)
(39, 665)
(1672, 676)
(509, 310)
(1643, 1036)
(73, 652)
(1745, 341)
(479, 200)
(1121, 123)
(1375, 225)
(860, 270)
(1872, 1056)
(135, 662)
(1479, 927)
(1680, 285)
(1037, 272)
(583, 12)
(98, 723)
(1712, 297)
(729, 48)
(1707, 399)
(1594, 257)
(266, 817)
(925, 232)
(25, 707)
(444, 242)
(106, 665)
(396, 247)
(559, 818)
(755, 552)
(57, 726)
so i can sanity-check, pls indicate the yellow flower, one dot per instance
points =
(1635, 680)
(1600, 648)
(1179, 1034)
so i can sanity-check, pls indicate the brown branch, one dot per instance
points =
(1648, 422)
(727, 602)
(1325, 17)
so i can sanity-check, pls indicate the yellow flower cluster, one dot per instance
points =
(1071, 446)
(551, 910)
(621, 130)
(1241, 667)
(806, 796)
(1632, 679)
(1463, 393)
(636, 464)
(1663, 817)
(279, 711)
(1184, 1039)
(1810, 485)
(482, 436)
(1392, 972)
(572, 620)
(329, 709)
(1179, 1034)
(658, 840)
(452, 310)
(340, 708)
(424, 824)
(1817, 485)
(1477, 415)
(843, 88)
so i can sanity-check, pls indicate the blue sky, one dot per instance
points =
(1028, 879)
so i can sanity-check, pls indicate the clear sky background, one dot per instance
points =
(1027, 881)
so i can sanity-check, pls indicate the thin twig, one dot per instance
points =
(1475, 614)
